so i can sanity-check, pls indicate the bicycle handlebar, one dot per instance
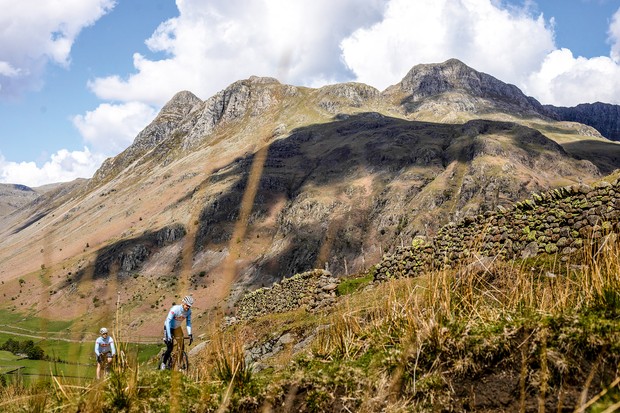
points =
(174, 338)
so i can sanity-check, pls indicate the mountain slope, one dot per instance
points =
(14, 197)
(602, 116)
(263, 180)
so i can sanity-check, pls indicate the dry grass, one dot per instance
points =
(406, 345)
(460, 322)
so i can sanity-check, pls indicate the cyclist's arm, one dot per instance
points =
(189, 322)
(97, 347)
(167, 323)
(112, 346)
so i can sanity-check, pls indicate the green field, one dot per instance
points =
(77, 360)
(70, 359)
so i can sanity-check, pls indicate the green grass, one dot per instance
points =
(69, 359)
(349, 285)
(16, 322)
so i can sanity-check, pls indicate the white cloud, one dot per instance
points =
(107, 130)
(6, 69)
(304, 42)
(110, 129)
(488, 38)
(614, 37)
(565, 80)
(510, 43)
(211, 45)
(63, 166)
(35, 32)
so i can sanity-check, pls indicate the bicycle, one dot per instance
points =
(177, 360)
(105, 360)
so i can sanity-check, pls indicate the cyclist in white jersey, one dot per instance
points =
(172, 326)
(104, 348)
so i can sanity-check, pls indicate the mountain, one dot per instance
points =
(264, 180)
(455, 87)
(14, 197)
(602, 116)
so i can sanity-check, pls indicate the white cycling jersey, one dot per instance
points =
(104, 345)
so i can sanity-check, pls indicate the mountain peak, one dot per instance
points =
(425, 81)
(180, 104)
(262, 80)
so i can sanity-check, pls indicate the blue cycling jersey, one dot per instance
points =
(176, 315)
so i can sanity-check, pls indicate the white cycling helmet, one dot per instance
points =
(103, 330)
(189, 300)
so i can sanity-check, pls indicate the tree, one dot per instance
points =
(27, 347)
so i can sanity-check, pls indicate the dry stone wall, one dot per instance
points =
(555, 222)
(312, 290)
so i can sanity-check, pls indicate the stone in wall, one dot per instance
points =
(311, 290)
(559, 221)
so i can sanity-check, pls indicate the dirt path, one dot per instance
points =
(145, 340)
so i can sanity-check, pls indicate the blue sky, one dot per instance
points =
(80, 78)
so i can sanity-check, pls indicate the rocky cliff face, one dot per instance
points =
(160, 129)
(602, 116)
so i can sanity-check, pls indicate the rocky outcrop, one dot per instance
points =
(312, 290)
(554, 222)
(129, 255)
(160, 129)
(245, 97)
(333, 97)
(604, 117)
(428, 80)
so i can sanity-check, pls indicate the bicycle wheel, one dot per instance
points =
(105, 366)
(184, 362)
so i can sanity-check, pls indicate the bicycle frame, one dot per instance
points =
(178, 359)
(105, 364)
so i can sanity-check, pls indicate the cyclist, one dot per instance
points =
(104, 349)
(173, 329)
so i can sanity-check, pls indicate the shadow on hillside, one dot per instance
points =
(314, 160)
(605, 155)
(127, 256)
(315, 175)
(308, 165)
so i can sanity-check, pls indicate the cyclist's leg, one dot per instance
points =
(105, 364)
(108, 363)
(177, 333)
(101, 366)
(166, 357)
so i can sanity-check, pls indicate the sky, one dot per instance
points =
(79, 79)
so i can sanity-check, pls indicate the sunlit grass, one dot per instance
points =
(550, 327)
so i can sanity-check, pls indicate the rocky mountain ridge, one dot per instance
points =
(14, 197)
(604, 117)
(428, 80)
(264, 180)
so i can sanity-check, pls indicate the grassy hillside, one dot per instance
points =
(528, 336)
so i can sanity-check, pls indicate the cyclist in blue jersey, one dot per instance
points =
(104, 349)
(173, 329)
